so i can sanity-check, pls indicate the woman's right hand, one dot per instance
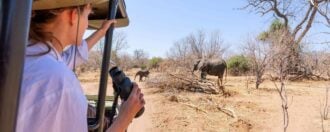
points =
(133, 104)
(128, 110)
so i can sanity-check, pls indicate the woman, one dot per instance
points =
(51, 96)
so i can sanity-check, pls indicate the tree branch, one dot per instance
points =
(280, 14)
(308, 26)
(326, 17)
(299, 26)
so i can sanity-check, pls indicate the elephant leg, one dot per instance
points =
(218, 83)
(221, 81)
(220, 86)
(221, 78)
(203, 75)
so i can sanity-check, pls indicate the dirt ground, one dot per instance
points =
(253, 110)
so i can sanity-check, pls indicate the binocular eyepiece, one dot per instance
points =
(122, 85)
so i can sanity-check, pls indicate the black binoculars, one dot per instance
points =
(122, 85)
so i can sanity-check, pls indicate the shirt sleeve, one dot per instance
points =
(64, 110)
(81, 55)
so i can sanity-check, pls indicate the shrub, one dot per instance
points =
(143, 66)
(238, 65)
(154, 62)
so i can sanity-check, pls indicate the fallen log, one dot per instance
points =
(227, 111)
(195, 107)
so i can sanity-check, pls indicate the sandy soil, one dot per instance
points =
(255, 110)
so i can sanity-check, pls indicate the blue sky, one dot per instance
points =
(156, 24)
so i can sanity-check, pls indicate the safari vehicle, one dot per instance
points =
(14, 20)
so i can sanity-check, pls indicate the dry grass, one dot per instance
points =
(170, 108)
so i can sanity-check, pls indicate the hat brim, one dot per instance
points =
(54, 4)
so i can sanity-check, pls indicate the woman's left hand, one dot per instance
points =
(96, 36)
(106, 24)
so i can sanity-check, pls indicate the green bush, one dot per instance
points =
(154, 62)
(143, 66)
(238, 65)
(136, 66)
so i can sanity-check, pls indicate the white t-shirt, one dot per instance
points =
(51, 97)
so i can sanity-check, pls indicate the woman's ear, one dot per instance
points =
(73, 16)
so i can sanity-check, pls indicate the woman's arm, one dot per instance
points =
(98, 34)
(69, 55)
(128, 110)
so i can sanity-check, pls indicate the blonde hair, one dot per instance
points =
(39, 19)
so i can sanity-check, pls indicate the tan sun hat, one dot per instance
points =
(53, 4)
(96, 19)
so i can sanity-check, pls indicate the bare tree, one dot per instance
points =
(140, 57)
(126, 61)
(197, 43)
(258, 53)
(292, 10)
(93, 63)
(317, 63)
(211, 46)
(303, 13)
(324, 110)
(215, 47)
(119, 44)
(180, 52)
(95, 55)
(197, 46)
(326, 106)
(281, 53)
(282, 92)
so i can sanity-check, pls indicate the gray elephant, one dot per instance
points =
(214, 67)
